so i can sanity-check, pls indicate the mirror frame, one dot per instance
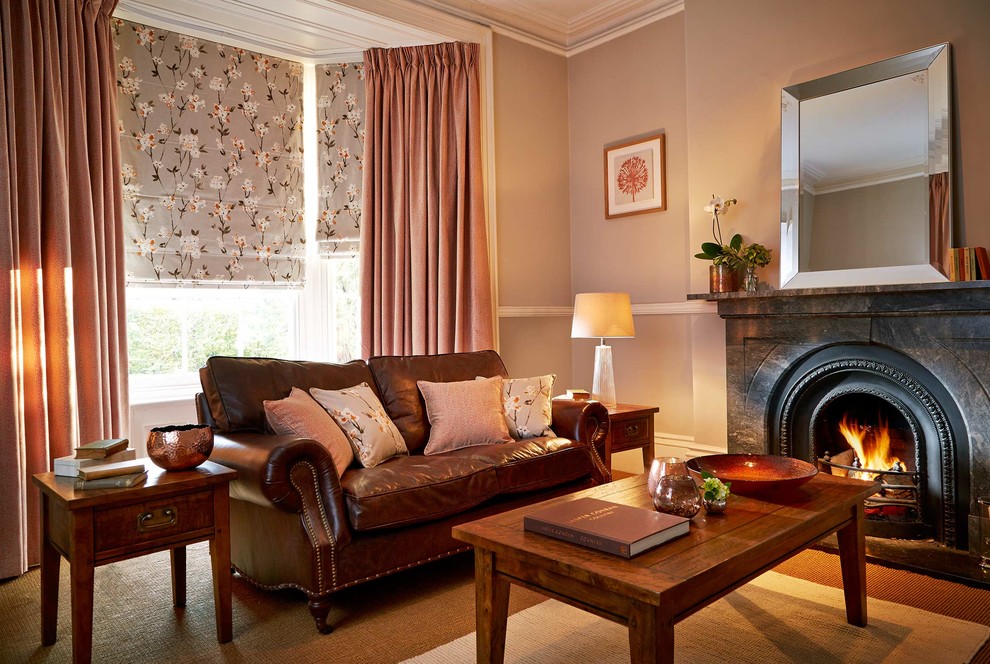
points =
(934, 58)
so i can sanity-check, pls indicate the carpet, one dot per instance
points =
(774, 618)
(383, 621)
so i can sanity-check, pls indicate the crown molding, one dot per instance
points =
(310, 31)
(524, 21)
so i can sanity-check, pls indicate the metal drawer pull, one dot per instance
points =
(169, 515)
(631, 430)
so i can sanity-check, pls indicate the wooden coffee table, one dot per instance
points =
(654, 590)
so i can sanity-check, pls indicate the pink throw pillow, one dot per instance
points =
(299, 415)
(464, 413)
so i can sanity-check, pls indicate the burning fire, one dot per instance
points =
(871, 445)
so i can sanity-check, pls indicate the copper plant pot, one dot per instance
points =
(722, 278)
(180, 447)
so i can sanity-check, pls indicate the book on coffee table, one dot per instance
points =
(610, 527)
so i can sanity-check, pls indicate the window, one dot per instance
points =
(223, 211)
(173, 331)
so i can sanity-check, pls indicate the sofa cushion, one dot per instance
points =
(236, 388)
(529, 465)
(299, 415)
(361, 416)
(397, 376)
(464, 413)
(415, 489)
(526, 403)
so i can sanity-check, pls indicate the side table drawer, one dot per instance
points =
(630, 433)
(153, 520)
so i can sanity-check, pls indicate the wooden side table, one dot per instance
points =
(91, 528)
(631, 427)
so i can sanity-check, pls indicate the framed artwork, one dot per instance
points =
(635, 177)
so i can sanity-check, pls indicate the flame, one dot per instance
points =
(871, 445)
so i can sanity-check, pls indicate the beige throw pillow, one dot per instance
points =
(464, 413)
(526, 403)
(299, 415)
(362, 417)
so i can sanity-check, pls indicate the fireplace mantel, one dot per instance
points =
(939, 332)
(962, 297)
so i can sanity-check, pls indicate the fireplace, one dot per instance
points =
(829, 374)
(873, 412)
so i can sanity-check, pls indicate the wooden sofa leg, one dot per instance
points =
(319, 608)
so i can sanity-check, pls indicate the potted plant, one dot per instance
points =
(715, 493)
(753, 256)
(728, 258)
(724, 257)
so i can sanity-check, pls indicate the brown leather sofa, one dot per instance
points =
(295, 523)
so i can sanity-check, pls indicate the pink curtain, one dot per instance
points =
(425, 278)
(938, 220)
(64, 369)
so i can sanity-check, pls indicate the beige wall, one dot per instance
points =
(533, 215)
(710, 79)
(629, 87)
(534, 266)
(738, 57)
(740, 54)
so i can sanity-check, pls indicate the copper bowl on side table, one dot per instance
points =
(180, 447)
(754, 473)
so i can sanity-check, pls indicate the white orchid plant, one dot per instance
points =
(733, 254)
(718, 252)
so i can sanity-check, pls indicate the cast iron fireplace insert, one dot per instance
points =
(914, 356)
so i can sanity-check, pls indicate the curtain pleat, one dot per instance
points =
(425, 277)
(61, 251)
(938, 220)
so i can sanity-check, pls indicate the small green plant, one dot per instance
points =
(755, 255)
(714, 488)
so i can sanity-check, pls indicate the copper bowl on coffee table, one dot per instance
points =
(754, 473)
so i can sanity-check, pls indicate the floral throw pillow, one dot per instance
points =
(361, 416)
(526, 405)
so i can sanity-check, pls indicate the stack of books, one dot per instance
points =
(103, 464)
(968, 264)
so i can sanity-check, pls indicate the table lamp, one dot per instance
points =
(602, 315)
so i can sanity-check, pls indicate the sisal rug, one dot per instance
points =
(774, 618)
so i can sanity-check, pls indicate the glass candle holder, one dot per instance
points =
(676, 492)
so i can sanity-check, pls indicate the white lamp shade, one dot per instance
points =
(602, 315)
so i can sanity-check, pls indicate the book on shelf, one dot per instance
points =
(116, 482)
(983, 261)
(610, 527)
(69, 466)
(100, 449)
(111, 469)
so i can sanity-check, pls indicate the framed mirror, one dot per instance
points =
(866, 175)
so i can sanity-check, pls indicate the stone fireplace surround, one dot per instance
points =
(924, 345)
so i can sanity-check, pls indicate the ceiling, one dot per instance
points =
(326, 30)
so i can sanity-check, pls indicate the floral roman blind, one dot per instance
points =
(340, 102)
(211, 146)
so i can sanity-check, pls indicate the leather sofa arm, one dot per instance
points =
(585, 422)
(286, 472)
